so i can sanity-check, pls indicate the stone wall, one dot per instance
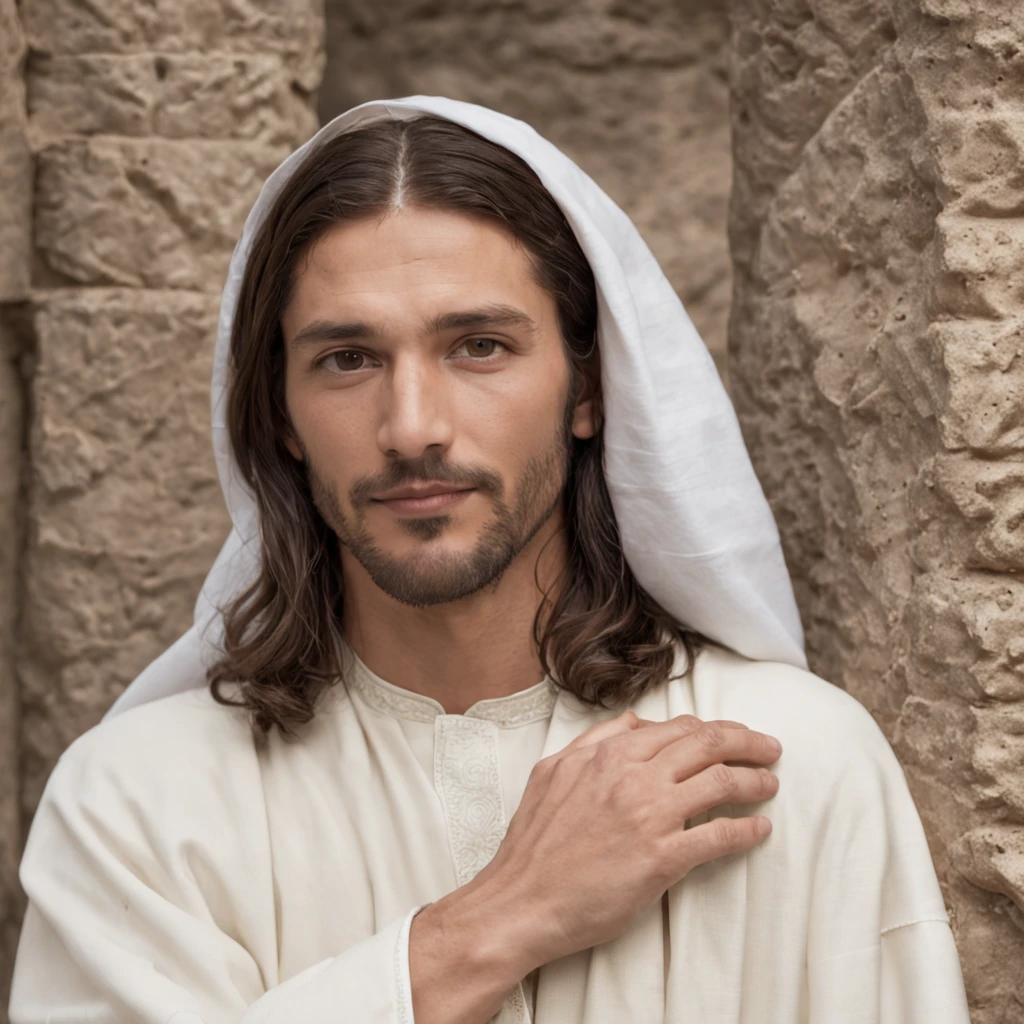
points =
(634, 90)
(877, 357)
(15, 248)
(152, 127)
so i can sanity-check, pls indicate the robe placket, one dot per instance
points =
(467, 777)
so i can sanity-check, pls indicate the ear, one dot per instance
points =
(283, 428)
(586, 417)
(292, 445)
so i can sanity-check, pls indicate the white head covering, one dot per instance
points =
(695, 526)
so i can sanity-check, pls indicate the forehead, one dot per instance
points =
(409, 264)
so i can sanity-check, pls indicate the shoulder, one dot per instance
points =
(168, 794)
(844, 814)
(825, 733)
(162, 750)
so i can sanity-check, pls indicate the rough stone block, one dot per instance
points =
(217, 96)
(15, 162)
(152, 214)
(998, 757)
(992, 857)
(984, 510)
(179, 26)
(979, 261)
(125, 511)
(964, 632)
(11, 430)
(981, 403)
(979, 157)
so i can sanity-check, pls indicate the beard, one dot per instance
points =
(430, 577)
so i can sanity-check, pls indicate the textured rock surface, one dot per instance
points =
(153, 127)
(876, 347)
(126, 513)
(635, 92)
(15, 244)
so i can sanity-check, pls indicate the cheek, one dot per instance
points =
(335, 433)
(515, 425)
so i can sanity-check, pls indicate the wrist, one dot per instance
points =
(491, 932)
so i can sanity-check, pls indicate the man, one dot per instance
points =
(469, 441)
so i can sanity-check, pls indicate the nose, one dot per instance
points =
(415, 414)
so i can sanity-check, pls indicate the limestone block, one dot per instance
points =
(15, 161)
(998, 757)
(145, 213)
(125, 511)
(992, 857)
(180, 26)
(12, 414)
(983, 384)
(15, 260)
(964, 632)
(983, 510)
(980, 159)
(219, 96)
(636, 93)
(979, 259)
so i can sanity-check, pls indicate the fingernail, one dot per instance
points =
(764, 826)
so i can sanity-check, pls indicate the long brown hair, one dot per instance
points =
(604, 637)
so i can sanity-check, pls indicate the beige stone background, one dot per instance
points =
(836, 189)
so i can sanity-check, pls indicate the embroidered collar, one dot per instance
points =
(509, 711)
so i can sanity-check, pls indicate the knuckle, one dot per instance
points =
(711, 734)
(726, 832)
(687, 723)
(571, 763)
(607, 755)
(623, 796)
(663, 864)
(724, 779)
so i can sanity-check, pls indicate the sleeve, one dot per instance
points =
(125, 926)
(880, 946)
(921, 980)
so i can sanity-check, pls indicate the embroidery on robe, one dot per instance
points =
(515, 709)
(518, 708)
(467, 777)
(468, 780)
(380, 698)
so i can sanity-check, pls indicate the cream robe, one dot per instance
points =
(181, 873)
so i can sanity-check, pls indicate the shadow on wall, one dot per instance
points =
(637, 94)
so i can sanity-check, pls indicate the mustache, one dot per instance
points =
(426, 469)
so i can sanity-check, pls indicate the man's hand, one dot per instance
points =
(599, 834)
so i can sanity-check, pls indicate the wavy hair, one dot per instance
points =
(604, 638)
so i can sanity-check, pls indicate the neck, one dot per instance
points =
(466, 651)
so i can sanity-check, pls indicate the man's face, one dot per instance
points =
(427, 389)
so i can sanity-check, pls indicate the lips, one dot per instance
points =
(424, 491)
(425, 501)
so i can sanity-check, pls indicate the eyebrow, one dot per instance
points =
(491, 315)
